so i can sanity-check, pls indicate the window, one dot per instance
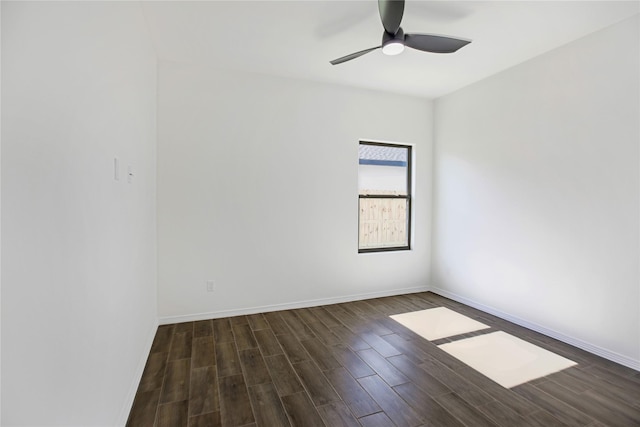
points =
(384, 197)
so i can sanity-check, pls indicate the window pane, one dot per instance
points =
(382, 170)
(383, 223)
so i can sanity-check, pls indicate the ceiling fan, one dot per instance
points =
(394, 38)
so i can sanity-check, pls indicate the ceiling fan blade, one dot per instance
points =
(433, 43)
(391, 12)
(353, 56)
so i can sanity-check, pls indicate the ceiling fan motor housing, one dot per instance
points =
(393, 44)
(398, 37)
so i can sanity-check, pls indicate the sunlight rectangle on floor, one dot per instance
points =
(505, 359)
(436, 323)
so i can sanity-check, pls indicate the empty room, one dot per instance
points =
(320, 213)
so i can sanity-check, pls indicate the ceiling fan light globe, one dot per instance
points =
(393, 48)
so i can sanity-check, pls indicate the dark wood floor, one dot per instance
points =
(351, 365)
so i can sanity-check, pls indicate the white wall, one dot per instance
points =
(258, 186)
(78, 248)
(537, 190)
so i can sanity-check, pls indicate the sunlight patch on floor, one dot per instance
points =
(436, 323)
(505, 359)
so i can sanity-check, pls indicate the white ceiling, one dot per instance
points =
(298, 38)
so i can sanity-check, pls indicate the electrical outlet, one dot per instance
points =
(210, 286)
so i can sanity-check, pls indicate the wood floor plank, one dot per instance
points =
(597, 406)
(238, 320)
(258, 322)
(306, 315)
(283, 375)
(267, 406)
(427, 408)
(407, 347)
(203, 391)
(277, 324)
(460, 385)
(244, 336)
(293, 348)
(235, 405)
(377, 327)
(203, 328)
(617, 389)
(618, 370)
(227, 360)
(463, 411)
(222, 331)
(325, 317)
(254, 368)
(571, 382)
(434, 352)
(162, 339)
(145, 405)
(631, 384)
(393, 405)
(301, 411)
(297, 326)
(181, 345)
(397, 328)
(184, 328)
(544, 419)
(383, 368)
(502, 415)
(267, 342)
(419, 376)
(393, 306)
(172, 414)
(410, 304)
(378, 344)
(507, 396)
(357, 367)
(212, 419)
(323, 333)
(354, 323)
(176, 383)
(347, 318)
(320, 354)
(320, 390)
(440, 300)
(203, 353)
(351, 392)
(153, 374)
(336, 414)
(419, 300)
(366, 309)
(379, 419)
(353, 341)
(567, 414)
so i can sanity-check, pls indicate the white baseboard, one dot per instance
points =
(591, 348)
(128, 403)
(287, 306)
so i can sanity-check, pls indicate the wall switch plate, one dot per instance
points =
(210, 286)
